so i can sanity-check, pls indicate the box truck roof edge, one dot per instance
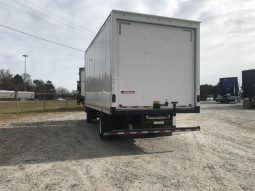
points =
(139, 14)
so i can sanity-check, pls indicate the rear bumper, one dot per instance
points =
(158, 131)
(152, 111)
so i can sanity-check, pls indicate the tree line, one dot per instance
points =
(16, 82)
(206, 90)
(43, 89)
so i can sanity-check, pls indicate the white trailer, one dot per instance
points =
(140, 71)
(24, 95)
(5, 94)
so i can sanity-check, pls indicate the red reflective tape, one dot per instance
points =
(158, 131)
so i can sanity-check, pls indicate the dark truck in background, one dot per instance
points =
(248, 84)
(80, 86)
(228, 90)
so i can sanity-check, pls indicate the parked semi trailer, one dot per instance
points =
(248, 84)
(228, 90)
(24, 95)
(141, 70)
(7, 95)
(12, 95)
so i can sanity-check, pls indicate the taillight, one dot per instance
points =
(198, 98)
(113, 98)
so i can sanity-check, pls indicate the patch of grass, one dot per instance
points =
(28, 106)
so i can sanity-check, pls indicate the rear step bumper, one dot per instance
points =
(151, 131)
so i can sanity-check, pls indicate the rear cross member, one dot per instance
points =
(151, 131)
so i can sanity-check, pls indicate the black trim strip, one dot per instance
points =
(155, 111)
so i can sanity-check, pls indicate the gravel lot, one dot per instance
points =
(59, 151)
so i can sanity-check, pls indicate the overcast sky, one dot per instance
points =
(227, 34)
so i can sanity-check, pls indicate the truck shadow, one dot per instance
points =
(40, 142)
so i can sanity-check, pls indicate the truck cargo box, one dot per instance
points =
(229, 86)
(5, 94)
(228, 90)
(248, 85)
(136, 60)
(82, 80)
(25, 95)
(140, 70)
(81, 86)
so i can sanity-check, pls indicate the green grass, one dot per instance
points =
(28, 106)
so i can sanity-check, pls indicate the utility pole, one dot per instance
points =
(25, 72)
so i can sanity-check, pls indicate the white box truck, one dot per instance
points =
(141, 70)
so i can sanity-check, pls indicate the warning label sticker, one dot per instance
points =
(127, 92)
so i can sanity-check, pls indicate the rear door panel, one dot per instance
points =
(156, 63)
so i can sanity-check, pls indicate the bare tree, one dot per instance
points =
(62, 91)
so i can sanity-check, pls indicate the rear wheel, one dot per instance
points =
(106, 125)
(101, 129)
(89, 117)
(91, 114)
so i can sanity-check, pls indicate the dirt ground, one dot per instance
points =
(59, 151)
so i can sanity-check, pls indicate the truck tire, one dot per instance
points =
(101, 129)
(89, 117)
(91, 114)
(105, 125)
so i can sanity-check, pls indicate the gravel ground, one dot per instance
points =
(59, 151)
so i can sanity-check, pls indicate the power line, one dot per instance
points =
(28, 13)
(60, 20)
(13, 7)
(56, 16)
(50, 41)
(39, 15)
